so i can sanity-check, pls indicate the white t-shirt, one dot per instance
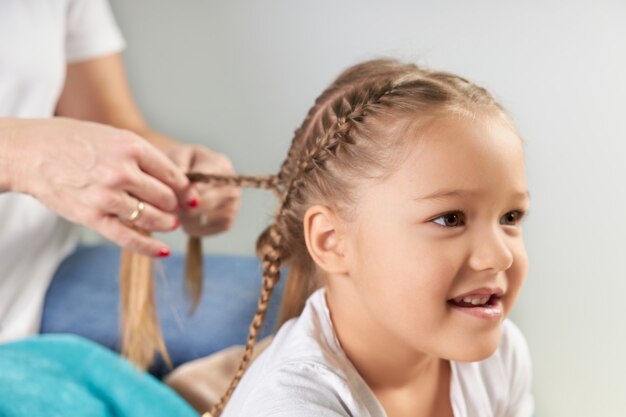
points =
(305, 373)
(37, 39)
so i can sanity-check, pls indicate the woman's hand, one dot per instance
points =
(207, 209)
(95, 175)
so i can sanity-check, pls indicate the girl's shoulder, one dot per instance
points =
(299, 388)
(302, 373)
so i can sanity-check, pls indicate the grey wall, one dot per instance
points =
(239, 77)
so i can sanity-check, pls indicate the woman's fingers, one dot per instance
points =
(215, 197)
(204, 222)
(127, 237)
(152, 191)
(203, 160)
(158, 165)
(216, 205)
(137, 209)
(147, 217)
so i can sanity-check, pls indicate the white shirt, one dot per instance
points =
(37, 39)
(305, 373)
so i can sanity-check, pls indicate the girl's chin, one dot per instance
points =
(475, 350)
(475, 355)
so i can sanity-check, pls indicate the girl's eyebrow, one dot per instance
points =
(453, 193)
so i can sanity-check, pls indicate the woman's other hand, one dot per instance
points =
(206, 209)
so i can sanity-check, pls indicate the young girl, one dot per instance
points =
(402, 196)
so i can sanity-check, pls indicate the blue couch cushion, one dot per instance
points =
(83, 299)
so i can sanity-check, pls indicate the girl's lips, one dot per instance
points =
(482, 291)
(491, 311)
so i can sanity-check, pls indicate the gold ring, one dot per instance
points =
(135, 215)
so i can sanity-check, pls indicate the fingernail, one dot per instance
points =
(193, 202)
(164, 252)
(176, 224)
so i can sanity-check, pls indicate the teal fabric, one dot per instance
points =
(66, 375)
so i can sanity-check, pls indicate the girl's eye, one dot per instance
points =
(512, 218)
(454, 219)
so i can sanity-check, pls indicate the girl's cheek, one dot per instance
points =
(520, 257)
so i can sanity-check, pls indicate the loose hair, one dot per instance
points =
(352, 134)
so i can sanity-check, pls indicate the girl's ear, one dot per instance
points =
(324, 240)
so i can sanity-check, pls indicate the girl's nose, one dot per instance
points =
(490, 251)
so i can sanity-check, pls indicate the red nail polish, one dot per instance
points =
(176, 224)
(193, 202)
(164, 252)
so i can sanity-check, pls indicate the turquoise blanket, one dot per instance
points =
(63, 375)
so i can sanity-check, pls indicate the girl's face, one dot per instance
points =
(435, 252)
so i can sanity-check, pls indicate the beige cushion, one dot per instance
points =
(202, 382)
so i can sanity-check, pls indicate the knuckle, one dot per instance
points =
(104, 200)
(115, 177)
(225, 164)
(175, 176)
(134, 149)
(131, 145)
(168, 201)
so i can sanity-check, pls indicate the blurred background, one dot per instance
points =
(239, 77)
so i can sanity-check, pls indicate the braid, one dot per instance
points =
(269, 182)
(312, 122)
(271, 262)
(344, 114)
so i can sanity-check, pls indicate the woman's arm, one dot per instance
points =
(97, 90)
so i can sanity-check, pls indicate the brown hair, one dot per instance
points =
(351, 134)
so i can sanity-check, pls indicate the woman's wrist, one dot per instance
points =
(8, 137)
(17, 137)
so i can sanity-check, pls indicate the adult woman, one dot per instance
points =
(63, 60)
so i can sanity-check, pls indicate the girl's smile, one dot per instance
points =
(483, 303)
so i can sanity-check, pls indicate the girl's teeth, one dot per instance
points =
(477, 301)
